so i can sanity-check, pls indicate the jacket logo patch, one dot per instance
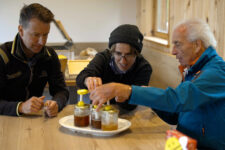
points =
(15, 75)
(197, 75)
(43, 74)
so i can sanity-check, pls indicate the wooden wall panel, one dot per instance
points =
(165, 72)
(212, 11)
(220, 28)
(144, 16)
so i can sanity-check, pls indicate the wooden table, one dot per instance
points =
(147, 132)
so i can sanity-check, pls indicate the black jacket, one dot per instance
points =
(139, 74)
(21, 78)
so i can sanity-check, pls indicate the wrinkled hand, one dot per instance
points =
(32, 105)
(103, 93)
(51, 108)
(92, 82)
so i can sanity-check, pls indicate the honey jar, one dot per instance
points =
(109, 118)
(81, 114)
(95, 118)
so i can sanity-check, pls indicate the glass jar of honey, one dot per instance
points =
(95, 118)
(109, 118)
(81, 114)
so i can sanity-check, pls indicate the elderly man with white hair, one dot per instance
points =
(197, 105)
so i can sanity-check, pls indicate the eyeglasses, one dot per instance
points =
(119, 56)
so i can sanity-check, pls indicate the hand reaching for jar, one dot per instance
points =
(92, 82)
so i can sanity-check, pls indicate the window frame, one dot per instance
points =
(154, 31)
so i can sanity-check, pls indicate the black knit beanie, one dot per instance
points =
(127, 33)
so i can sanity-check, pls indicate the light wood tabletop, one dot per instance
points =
(147, 132)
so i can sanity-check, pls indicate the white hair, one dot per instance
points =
(199, 30)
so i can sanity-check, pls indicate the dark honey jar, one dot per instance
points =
(81, 115)
(95, 118)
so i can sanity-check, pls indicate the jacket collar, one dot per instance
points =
(198, 63)
(207, 55)
(18, 52)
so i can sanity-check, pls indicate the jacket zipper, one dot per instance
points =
(203, 131)
(30, 80)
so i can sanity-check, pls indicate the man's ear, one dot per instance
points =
(198, 46)
(20, 29)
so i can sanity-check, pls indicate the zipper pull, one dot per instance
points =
(203, 131)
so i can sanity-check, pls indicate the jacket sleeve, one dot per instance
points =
(6, 107)
(57, 86)
(170, 118)
(94, 69)
(207, 88)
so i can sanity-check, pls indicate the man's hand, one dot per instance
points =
(51, 108)
(108, 91)
(32, 105)
(92, 82)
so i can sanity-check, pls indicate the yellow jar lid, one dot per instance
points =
(95, 106)
(82, 91)
(108, 107)
(62, 57)
(80, 103)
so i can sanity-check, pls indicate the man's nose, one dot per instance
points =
(123, 60)
(42, 40)
(174, 51)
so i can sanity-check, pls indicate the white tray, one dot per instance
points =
(68, 122)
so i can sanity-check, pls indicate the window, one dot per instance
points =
(161, 19)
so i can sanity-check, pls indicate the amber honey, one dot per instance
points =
(81, 121)
(109, 118)
(109, 127)
(96, 124)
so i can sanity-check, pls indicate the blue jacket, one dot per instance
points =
(197, 105)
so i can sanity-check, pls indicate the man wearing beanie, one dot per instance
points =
(121, 63)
